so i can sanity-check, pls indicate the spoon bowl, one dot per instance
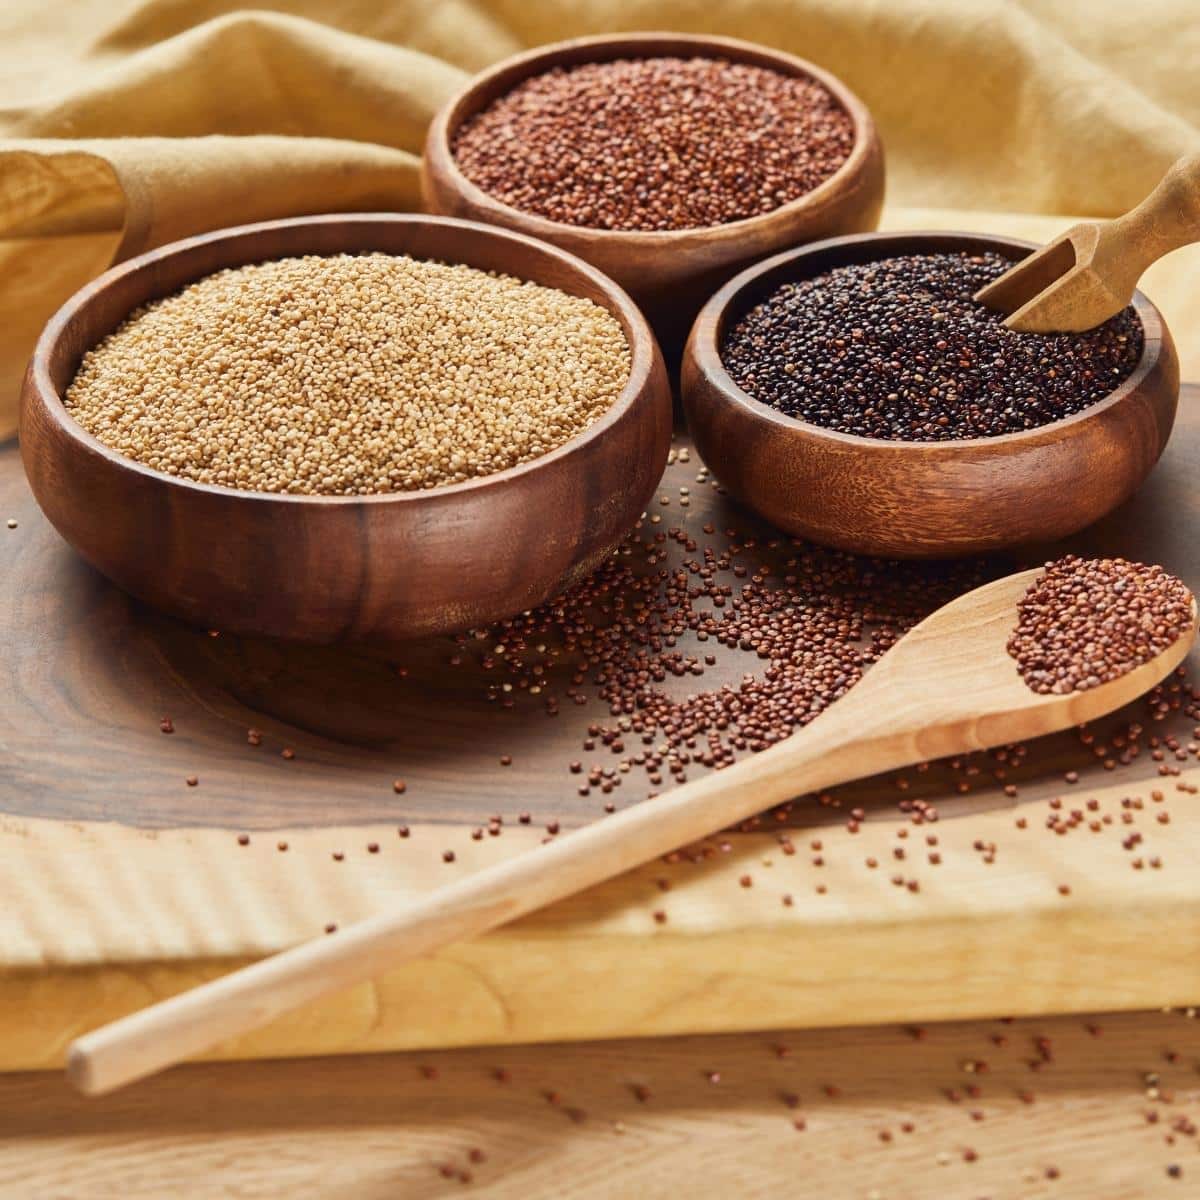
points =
(952, 684)
(948, 686)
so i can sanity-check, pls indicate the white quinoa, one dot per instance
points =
(350, 375)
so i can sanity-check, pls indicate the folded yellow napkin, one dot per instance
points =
(127, 123)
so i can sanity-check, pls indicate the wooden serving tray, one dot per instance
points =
(120, 883)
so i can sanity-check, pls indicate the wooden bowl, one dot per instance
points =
(669, 274)
(324, 568)
(921, 499)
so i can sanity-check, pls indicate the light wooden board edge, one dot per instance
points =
(977, 940)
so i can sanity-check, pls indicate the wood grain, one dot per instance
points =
(669, 274)
(122, 884)
(324, 568)
(378, 1128)
(921, 499)
(976, 940)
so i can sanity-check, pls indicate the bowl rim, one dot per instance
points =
(642, 44)
(704, 346)
(643, 348)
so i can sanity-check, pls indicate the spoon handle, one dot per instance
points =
(829, 750)
(947, 687)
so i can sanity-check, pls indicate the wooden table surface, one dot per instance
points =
(569, 1122)
(643, 1117)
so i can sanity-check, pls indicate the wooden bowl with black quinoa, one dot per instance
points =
(668, 160)
(852, 393)
(315, 428)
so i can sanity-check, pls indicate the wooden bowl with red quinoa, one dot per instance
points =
(668, 271)
(323, 568)
(918, 498)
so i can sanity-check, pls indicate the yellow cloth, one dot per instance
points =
(126, 123)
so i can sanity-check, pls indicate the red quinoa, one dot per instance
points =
(1086, 622)
(655, 143)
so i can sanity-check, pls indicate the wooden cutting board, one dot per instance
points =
(121, 883)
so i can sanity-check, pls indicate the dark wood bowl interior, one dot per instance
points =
(670, 274)
(318, 568)
(921, 499)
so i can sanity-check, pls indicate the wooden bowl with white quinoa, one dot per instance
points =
(365, 426)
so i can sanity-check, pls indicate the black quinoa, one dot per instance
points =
(897, 349)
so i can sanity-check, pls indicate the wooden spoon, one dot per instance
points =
(948, 687)
(1089, 273)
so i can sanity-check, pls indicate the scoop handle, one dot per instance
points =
(1168, 218)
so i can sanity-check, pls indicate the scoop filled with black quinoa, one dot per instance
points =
(897, 350)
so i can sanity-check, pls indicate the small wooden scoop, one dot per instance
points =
(948, 687)
(1089, 273)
